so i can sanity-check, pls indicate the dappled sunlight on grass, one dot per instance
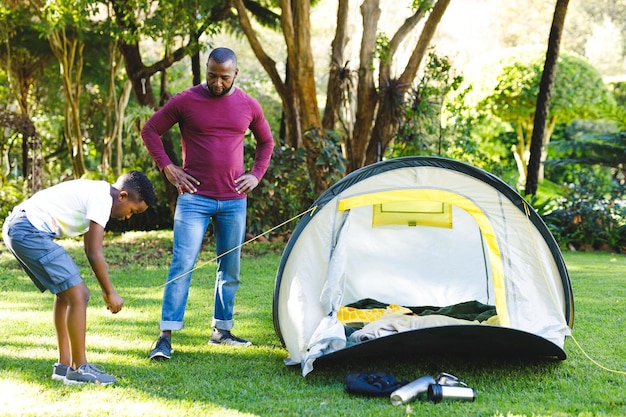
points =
(28, 398)
(209, 380)
(19, 398)
(134, 237)
(27, 348)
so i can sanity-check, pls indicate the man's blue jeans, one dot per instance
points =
(191, 219)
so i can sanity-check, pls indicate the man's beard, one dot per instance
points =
(223, 93)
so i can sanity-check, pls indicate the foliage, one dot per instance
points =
(509, 91)
(591, 145)
(466, 133)
(11, 194)
(4, 84)
(438, 121)
(284, 191)
(618, 89)
(329, 160)
(422, 132)
(136, 156)
(605, 150)
(505, 91)
(510, 88)
(382, 51)
(591, 214)
(424, 4)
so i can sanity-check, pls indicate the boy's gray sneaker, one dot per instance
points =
(88, 373)
(162, 349)
(225, 337)
(58, 371)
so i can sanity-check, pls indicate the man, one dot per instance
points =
(212, 184)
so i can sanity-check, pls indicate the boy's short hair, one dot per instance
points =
(138, 186)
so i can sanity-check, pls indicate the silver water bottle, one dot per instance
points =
(412, 390)
(437, 393)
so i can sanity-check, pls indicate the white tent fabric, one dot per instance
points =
(497, 252)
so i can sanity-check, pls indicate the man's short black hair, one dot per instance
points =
(221, 55)
(138, 186)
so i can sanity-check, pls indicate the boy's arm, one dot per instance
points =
(93, 249)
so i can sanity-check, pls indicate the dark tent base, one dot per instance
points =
(479, 340)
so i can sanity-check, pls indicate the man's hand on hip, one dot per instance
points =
(246, 183)
(180, 179)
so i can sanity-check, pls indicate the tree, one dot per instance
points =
(392, 91)
(64, 24)
(25, 55)
(377, 111)
(508, 89)
(546, 86)
(297, 92)
(172, 23)
(114, 112)
(423, 131)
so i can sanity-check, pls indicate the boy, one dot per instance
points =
(73, 208)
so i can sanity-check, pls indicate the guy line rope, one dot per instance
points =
(203, 264)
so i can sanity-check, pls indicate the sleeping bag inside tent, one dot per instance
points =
(421, 254)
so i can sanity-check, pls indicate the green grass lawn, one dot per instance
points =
(203, 379)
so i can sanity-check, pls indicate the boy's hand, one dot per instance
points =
(113, 301)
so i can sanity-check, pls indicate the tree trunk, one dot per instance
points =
(519, 150)
(366, 89)
(297, 92)
(25, 64)
(22, 124)
(391, 96)
(299, 82)
(546, 87)
(69, 51)
(196, 68)
(138, 75)
(293, 133)
(111, 116)
(303, 125)
(24, 81)
(339, 72)
(304, 73)
(122, 103)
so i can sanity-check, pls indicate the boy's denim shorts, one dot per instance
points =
(46, 262)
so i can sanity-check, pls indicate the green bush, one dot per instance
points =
(287, 190)
(11, 194)
(591, 215)
(284, 191)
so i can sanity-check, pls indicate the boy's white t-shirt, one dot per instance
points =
(66, 209)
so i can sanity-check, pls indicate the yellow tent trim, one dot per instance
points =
(443, 196)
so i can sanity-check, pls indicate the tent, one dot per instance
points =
(421, 254)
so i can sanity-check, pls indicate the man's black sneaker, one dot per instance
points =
(162, 349)
(225, 337)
